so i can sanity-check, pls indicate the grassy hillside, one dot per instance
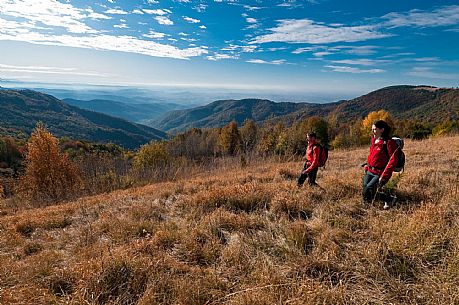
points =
(245, 236)
(22, 109)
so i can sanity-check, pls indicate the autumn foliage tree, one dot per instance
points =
(230, 139)
(49, 174)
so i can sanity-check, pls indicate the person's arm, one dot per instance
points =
(393, 150)
(315, 159)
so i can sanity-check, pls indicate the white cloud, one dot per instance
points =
(152, 2)
(49, 13)
(137, 11)
(202, 27)
(164, 20)
(321, 54)
(358, 50)
(251, 20)
(125, 43)
(94, 15)
(154, 35)
(426, 72)
(159, 12)
(426, 59)
(121, 26)
(191, 20)
(47, 70)
(260, 61)
(252, 8)
(307, 31)
(114, 11)
(200, 8)
(242, 48)
(346, 69)
(218, 56)
(444, 16)
(361, 62)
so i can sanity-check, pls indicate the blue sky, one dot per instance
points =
(277, 45)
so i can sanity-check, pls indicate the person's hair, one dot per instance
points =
(382, 124)
(312, 134)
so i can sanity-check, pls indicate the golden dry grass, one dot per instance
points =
(245, 236)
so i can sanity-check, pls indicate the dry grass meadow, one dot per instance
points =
(245, 236)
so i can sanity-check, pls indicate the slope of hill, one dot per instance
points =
(222, 112)
(245, 236)
(21, 110)
(128, 111)
(403, 102)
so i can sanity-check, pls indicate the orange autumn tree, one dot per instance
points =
(50, 175)
(368, 121)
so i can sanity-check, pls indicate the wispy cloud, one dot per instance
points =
(307, 31)
(164, 20)
(113, 11)
(361, 62)
(347, 69)
(326, 50)
(444, 16)
(191, 20)
(154, 35)
(218, 56)
(18, 32)
(48, 70)
(49, 13)
(121, 26)
(264, 62)
(159, 12)
(426, 72)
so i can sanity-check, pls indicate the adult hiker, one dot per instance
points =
(381, 163)
(313, 161)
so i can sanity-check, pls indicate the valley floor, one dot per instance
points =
(245, 236)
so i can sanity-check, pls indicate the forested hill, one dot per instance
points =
(22, 109)
(222, 112)
(423, 103)
(405, 102)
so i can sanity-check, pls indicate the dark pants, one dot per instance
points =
(311, 176)
(370, 187)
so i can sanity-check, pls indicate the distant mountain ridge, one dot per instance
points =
(22, 109)
(134, 112)
(403, 102)
(221, 112)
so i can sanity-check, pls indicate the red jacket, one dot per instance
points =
(312, 157)
(382, 160)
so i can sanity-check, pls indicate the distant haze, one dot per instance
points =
(186, 96)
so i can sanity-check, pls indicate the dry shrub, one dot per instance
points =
(50, 176)
(32, 248)
(301, 236)
(121, 281)
(294, 206)
(247, 197)
(199, 246)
